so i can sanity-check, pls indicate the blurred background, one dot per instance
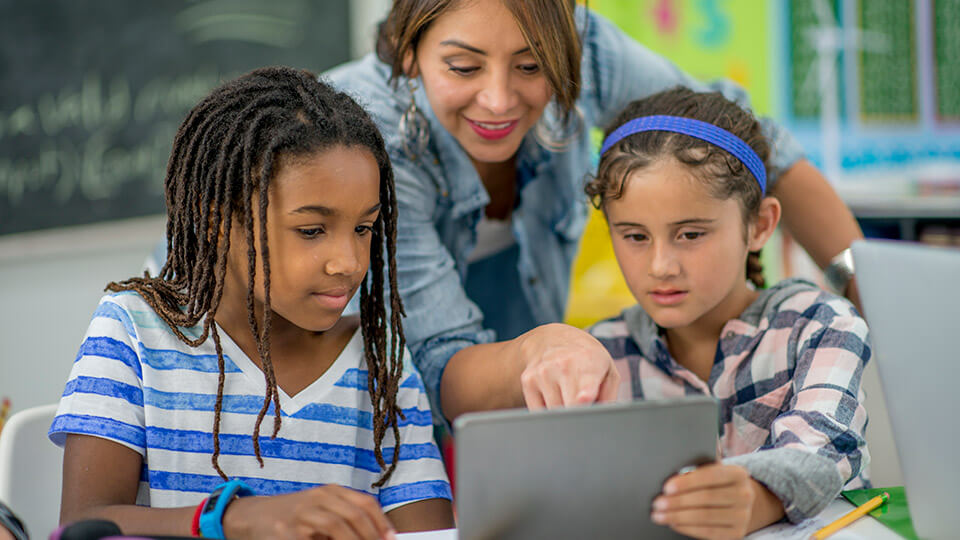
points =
(92, 91)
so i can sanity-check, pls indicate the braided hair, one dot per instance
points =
(723, 174)
(224, 156)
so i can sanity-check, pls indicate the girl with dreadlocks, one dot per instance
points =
(280, 198)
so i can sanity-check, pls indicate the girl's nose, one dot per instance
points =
(345, 261)
(664, 263)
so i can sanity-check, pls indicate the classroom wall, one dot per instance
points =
(50, 282)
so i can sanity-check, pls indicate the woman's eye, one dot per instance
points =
(459, 70)
(691, 235)
(363, 230)
(312, 232)
(529, 69)
(636, 237)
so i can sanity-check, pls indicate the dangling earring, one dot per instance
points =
(414, 128)
(555, 134)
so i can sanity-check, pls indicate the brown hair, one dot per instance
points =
(224, 156)
(722, 173)
(548, 26)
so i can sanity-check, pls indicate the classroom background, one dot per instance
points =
(91, 94)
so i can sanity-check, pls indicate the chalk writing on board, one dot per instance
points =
(96, 166)
(92, 93)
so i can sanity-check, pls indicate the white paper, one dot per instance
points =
(445, 534)
(787, 531)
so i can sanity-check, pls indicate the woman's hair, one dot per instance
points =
(724, 175)
(224, 156)
(548, 26)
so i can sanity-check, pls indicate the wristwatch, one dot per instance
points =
(211, 517)
(839, 272)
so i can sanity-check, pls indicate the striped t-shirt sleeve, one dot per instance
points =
(104, 395)
(419, 474)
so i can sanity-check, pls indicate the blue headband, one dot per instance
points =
(694, 128)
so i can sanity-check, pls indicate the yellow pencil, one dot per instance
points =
(852, 516)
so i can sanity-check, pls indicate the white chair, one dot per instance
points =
(31, 469)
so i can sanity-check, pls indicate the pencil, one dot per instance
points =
(852, 516)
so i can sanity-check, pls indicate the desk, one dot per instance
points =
(865, 528)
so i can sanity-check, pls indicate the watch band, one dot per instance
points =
(195, 522)
(839, 272)
(211, 517)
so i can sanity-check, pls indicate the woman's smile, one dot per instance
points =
(493, 130)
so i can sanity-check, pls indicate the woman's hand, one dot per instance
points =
(330, 511)
(552, 365)
(717, 502)
(565, 366)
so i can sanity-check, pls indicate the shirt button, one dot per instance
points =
(532, 281)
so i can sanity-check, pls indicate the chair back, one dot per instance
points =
(31, 469)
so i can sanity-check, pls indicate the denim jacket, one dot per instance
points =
(441, 197)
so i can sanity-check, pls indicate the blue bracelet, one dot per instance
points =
(211, 517)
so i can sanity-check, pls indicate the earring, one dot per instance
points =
(414, 128)
(554, 133)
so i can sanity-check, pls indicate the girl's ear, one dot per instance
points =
(765, 223)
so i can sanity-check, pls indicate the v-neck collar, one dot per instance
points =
(315, 391)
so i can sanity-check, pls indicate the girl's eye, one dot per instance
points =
(691, 235)
(636, 237)
(312, 232)
(529, 69)
(462, 70)
(363, 230)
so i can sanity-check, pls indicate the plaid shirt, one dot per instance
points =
(787, 377)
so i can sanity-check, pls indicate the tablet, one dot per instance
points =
(584, 472)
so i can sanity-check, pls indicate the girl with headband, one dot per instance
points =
(486, 108)
(682, 182)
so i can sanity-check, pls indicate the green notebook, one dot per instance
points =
(894, 514)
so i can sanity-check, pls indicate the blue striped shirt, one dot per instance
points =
(135, 383)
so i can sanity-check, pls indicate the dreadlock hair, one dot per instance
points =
(724, 175)
(226, 152)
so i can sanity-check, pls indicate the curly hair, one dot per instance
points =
(224, 156)
(724, 175)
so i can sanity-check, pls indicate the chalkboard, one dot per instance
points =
(92, 92)
(888, 90)
(946, 49)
